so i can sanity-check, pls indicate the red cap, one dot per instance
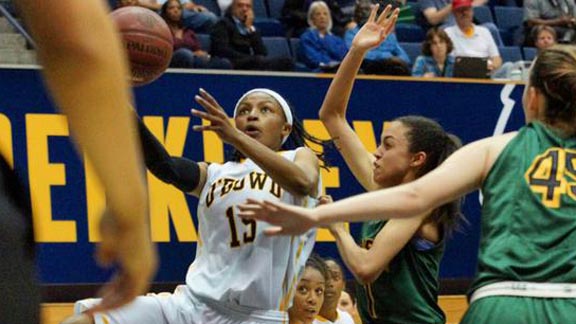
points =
(461, 3)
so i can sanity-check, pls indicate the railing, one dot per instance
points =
(12, 21)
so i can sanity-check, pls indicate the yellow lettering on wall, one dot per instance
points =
(6, 140)
(166, 201)
(365, 132)
(95, 201)
(43, 175)
(330, 177)
(213, 146)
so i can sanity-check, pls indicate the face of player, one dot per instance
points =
(174, 11)
(438, 47)
(464, 17)
(544, 40)
(393, 157)
(308, 297)
(241, 8)
(345, 303)
(261, 117)
(335, 283)
(321, 18)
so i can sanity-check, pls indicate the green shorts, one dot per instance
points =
(521, 310)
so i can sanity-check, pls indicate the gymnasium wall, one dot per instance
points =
(67, 199)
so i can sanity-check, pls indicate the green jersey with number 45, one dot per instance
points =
(529, 212)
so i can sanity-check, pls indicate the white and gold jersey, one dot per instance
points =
(236, 264)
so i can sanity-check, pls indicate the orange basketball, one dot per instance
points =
(148, 42)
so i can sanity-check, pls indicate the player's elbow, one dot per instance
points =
(327, 116)
(367, 274)
(302, 186)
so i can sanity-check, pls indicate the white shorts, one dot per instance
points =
(181, 307)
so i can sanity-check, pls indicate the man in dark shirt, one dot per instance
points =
(234, 37)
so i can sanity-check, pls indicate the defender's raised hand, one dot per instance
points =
(376, 29)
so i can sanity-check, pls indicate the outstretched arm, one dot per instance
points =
(461, 173)
(87, 74)
(333, 111)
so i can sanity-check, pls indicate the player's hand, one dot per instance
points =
(289, 220)
(130, 249)
(215, 114)
(376, 29)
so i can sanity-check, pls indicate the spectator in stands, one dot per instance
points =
(558, 14)
(435, 61)
(439, 12)
(469, 39)
(234, 37)
(321, 50)
(544, 37)
(295, 13)
(196, 17)
(187, 50)
(386, 59)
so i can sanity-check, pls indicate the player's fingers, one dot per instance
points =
(210, 107)
(274, 231)
(204, 115)
(384, 14)
(392, 21)
(205, 128)
(209, 98)
(372, 16)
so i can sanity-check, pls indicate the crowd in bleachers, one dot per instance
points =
(307, 35)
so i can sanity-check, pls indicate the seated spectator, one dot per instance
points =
(329, 312)
(469, 39)
(543, 37)
(435, 61)
(187, 50)
(321, 50)
(295, 13)
(234, 37)
(309, 292)
(438, 13)
(196, 17)
(386, 59)
(558, 14)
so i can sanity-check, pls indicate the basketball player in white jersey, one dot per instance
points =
(239, 275)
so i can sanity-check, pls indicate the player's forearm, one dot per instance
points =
(397, 202)
(338, 95)
(286, 173)
(353, 256)
(101, 122)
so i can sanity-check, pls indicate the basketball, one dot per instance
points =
(148, 42)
